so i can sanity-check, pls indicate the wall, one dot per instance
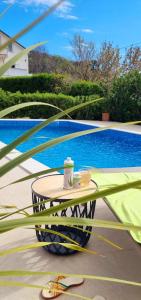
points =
(21, 66)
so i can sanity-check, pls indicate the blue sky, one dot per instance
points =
(116, 21)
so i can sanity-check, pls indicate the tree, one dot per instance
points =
(41, 62)
(37, 60)
(107, 65)
(58, 64)
(84, 53)
(132, 59)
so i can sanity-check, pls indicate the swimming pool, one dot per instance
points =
(107, 149)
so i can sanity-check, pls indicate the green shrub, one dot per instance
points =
(86, 88)
(90, 112)
(123, 102)
(125, 98)
(50, 83)
(62, 101)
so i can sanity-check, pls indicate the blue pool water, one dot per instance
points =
(107, 149)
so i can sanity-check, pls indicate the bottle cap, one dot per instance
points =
(69, 161)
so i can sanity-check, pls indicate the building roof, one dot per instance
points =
(1, 31)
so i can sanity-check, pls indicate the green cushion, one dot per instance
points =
(126, 204)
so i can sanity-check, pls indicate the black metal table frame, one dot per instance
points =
(76, 234)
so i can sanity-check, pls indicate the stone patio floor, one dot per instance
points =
(110, 262)
(124, 264)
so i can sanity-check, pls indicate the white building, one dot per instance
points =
(21, 66)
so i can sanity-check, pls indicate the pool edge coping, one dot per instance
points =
(87, 122)
(30, 166)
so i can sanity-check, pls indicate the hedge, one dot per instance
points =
(7, 99)
(124, 101)
(50, 83)
(85, 88)
(90, 112)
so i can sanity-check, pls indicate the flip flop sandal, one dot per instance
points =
(60, 284)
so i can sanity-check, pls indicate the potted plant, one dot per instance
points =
(105, 116)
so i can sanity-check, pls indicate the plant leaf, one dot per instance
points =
(7, 206)
(32, 24)
(7, 214)
(23, 284)
(13, 108)
(55, 233)
(47, 171)
(3, 214)
(39, 203)
(82, 200)
(67, 221)
(94, 196)
(20, 273)
(5, 10)
(15, 58)
(15, 162)
(42, 244)
(100, 237)
(38, 127)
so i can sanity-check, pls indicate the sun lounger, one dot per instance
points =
(127, 204)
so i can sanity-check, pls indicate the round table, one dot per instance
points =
(51, 187)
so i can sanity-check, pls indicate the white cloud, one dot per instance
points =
(67, 16)
(65, 34)
(87, 30)
(71, 17)
(69, 48)
(83, 30)
(64, 10)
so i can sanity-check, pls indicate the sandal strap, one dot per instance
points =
(56, 282)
